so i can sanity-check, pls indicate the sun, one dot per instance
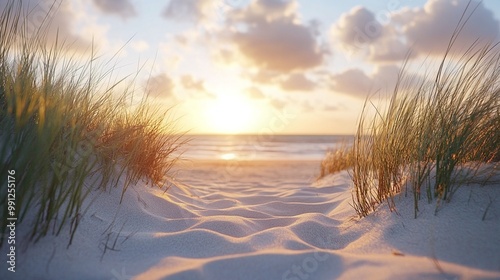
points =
(230, 114)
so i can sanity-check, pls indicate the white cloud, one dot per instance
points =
(139, 45)
(423, 30)
(56, 20)
(161, 86)
(298, 82)
(122, 8)
(357, 83)
(357, 28)
(196, 87)
(278, 104)
(255, 93)
(430, 28)
(191, 10)
(272, 38)
(196, 11)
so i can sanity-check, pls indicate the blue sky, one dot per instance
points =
(232, 66)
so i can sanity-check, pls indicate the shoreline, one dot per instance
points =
(259, 162)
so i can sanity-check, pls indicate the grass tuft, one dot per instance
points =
(336, 160)
(59, 128)
(437, 132)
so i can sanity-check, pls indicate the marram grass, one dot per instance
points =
(437, 132)
(336, 160)
(59, 128)
(431, 132)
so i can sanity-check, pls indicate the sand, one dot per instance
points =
(268, 220)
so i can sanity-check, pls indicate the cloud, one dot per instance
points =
(139, 45)
(268, 10)
(263, 76)
(331, 108)
(357, 83)
(60, 27)
(122, 8)
(357, 28)
(298, 82)
(255, 93)
(183, 10)
(188, 82)
(195, 86)
(277, 103)
(161, 86)
(181, 39)
(429, 29)
(423, 30)
(188, 10)
(279, 46)
(390, 49)
(271, 37)
(204, 12)
(352, 81)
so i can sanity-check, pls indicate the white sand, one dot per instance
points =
(269, 221)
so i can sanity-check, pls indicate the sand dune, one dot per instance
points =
(269, 221)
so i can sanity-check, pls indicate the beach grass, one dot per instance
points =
(436, 133)
(338, 159)
(64, 135)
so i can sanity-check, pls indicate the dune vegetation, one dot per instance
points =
(436, 133)
(338, 159)
(66, 131)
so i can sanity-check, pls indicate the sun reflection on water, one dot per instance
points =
(228, 156)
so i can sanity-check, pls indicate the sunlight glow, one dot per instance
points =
(228, 156)
(231, 114)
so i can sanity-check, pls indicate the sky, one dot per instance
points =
(265, 66)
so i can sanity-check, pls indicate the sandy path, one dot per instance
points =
(269, 220)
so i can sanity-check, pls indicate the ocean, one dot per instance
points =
(261, 147)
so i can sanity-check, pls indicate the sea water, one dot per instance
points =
(261, 147)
